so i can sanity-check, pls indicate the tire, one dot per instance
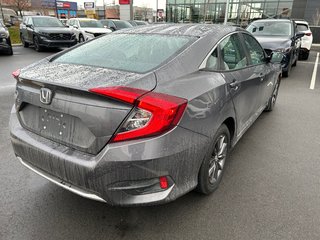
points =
(295, 63)
(306, 55)
(212, 167)
(81, 38)
(273, 97)
(10, 52)
(24, 43)
(37, 46)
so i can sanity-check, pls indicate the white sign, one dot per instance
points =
(89, 5)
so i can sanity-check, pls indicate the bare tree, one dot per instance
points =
(21, 5)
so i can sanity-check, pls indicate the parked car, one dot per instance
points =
(45, 32)
(86, 28)
(152, 121)
(279, 35)
(306, 40)
(141, 23)
(5, 42)
(114, 24)
(63, 20)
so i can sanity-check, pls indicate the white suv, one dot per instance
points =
(86, 28)
(306, 41)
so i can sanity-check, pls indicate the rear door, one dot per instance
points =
(243, 82)
(259, 67)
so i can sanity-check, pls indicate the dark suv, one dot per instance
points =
(279, 35)
(43, 31)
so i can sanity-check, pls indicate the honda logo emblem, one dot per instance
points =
(45, 95)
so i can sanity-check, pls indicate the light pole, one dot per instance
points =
(226, 13)
(156, 19)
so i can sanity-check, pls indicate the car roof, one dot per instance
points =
(37, 16)
(84, 19)
(301, 22)
(273, 20)
(196, 30)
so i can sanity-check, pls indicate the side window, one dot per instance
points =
(232, 54)
(255, 50)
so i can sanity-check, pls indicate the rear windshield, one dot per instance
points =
(122, 24)
(272, 28)
(129, 52)
(47, 22)
(302, 27)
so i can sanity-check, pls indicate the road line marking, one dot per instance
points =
(314, 74)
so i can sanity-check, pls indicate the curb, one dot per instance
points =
(17, 45)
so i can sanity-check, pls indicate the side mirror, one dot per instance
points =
(75, 26)
(29, 26)
(299, 35)
(275, 57)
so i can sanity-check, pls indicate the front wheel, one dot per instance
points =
(213, 165)
(273, 98)
(36, 43)
(24, 43)
(81, 38)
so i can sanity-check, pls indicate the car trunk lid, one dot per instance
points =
(74, 117)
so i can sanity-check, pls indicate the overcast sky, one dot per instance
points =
(139, 3)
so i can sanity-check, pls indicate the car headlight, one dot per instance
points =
(283, 50)
(44, 34)
(4, 35)
(89, 34)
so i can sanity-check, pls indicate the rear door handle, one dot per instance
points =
(234, 84)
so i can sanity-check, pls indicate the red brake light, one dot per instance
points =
(125, 94)
(154, 113)
(308, 34)
(16, 74)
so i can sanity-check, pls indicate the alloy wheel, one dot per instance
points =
(218, 159)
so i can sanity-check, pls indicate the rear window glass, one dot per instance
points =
(129, 52)
(302, 27)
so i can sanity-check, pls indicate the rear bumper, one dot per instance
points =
(122, 173)
(56, 43)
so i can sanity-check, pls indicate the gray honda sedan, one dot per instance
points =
(143, 115)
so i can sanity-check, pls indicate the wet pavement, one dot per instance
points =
(270, 190)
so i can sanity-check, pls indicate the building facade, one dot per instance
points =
(240, 11)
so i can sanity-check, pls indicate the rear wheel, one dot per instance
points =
(273, 98)
(306, 55)
(213, 165)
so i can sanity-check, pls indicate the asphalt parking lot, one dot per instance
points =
(270, 190)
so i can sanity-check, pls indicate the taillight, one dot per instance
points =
(308, 34)
(16, 74)
(153, 114)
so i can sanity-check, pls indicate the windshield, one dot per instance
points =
(129, 52)
(90, 24)
(122, 24)
(272, 28)
(47, 22)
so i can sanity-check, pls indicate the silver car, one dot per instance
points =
(143, 115)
